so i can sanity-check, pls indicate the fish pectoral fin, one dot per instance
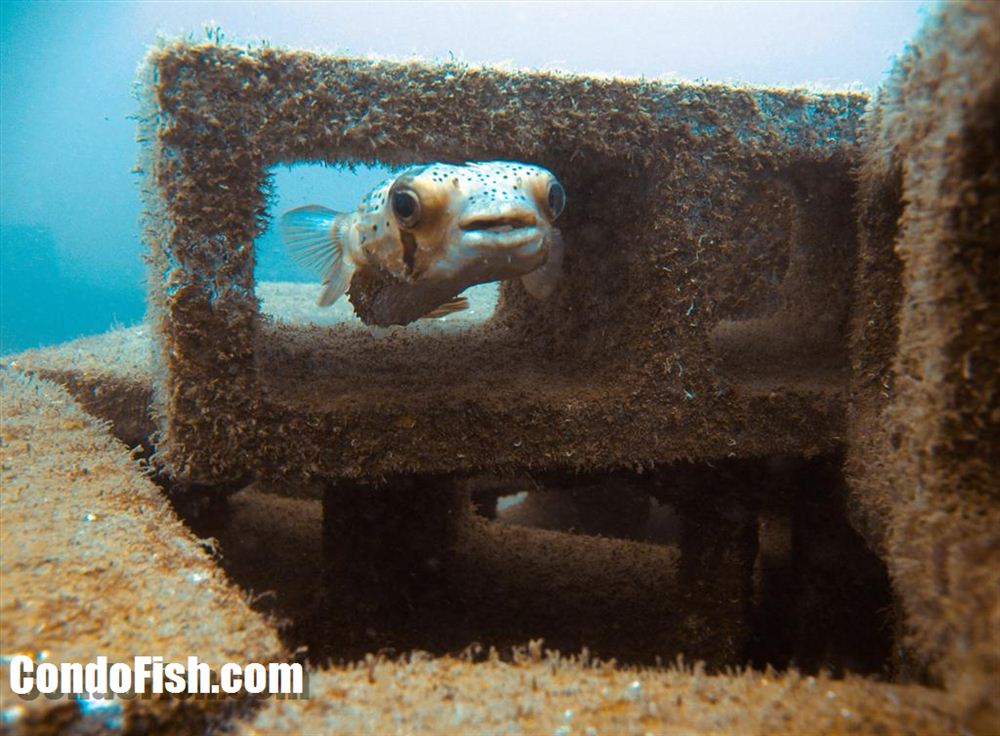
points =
(314, 238)
(336, 281)
(312, 235)
(541, 282)
(455, 304)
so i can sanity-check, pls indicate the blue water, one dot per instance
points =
(70, 248)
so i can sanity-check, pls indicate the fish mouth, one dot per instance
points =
(508, 231)
(499, 224)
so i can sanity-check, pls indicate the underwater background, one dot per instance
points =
(70, 249)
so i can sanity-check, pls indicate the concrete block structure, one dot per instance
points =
(703, 314)
(776, 345)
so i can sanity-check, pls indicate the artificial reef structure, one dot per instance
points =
(777, 342)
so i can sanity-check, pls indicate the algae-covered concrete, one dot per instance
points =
(543, 693)
(96, 563)
(715, 304)
(108, 374)
(925, 442)
(710, 245)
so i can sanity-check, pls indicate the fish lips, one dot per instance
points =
(502, 254)
(505, 239)
(493, 249)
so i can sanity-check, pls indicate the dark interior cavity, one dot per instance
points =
(751, 562)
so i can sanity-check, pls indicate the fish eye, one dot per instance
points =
(406, 207)
(556, 199)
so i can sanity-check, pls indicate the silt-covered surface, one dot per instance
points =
(95, 563)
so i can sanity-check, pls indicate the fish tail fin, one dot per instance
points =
(455, 304)
(541, 282)
(314, 236)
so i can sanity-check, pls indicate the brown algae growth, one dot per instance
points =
(769, 374)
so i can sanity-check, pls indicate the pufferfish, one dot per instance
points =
(422, 237)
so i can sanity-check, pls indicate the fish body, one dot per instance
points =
(420, 238)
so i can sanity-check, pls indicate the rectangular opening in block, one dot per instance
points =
(783, 314)
(288, 290)
(507, 346)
